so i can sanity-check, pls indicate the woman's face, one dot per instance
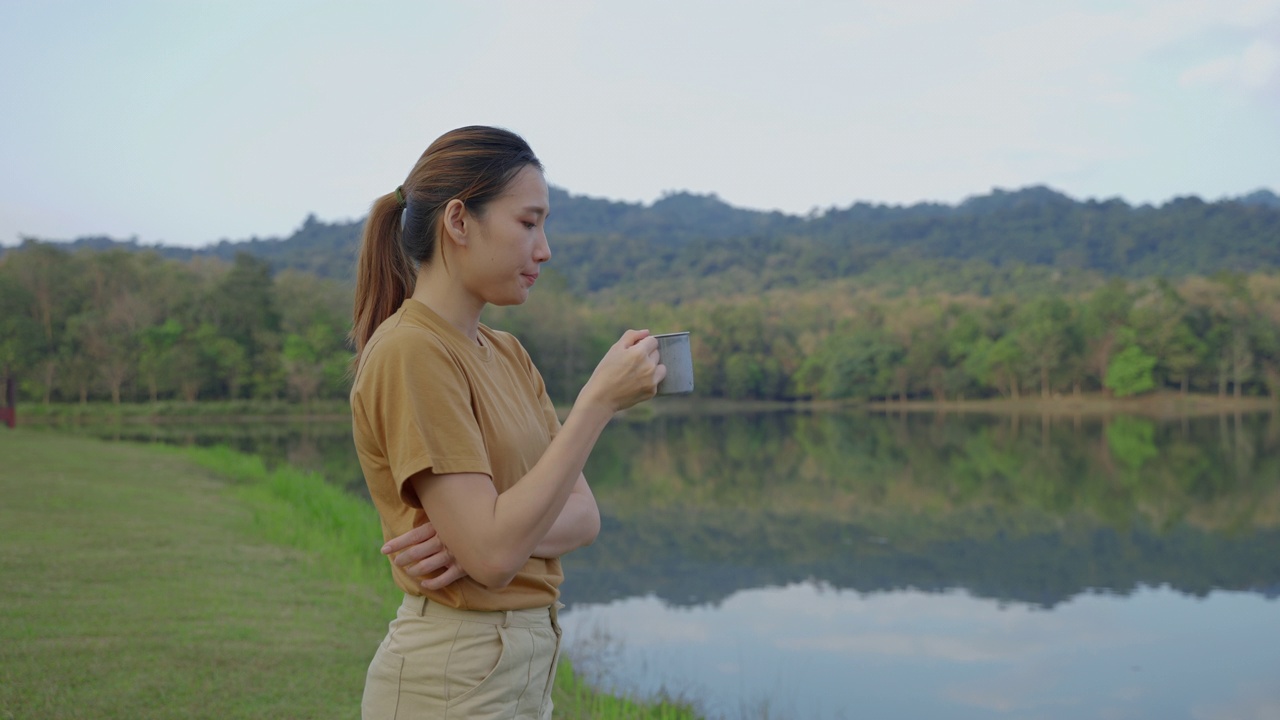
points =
(506, 253)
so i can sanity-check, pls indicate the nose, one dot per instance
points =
(542, 251)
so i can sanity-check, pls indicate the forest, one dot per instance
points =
(1005, 295)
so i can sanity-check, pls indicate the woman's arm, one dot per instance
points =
(421, 551)
(492, 535)
(577, 526)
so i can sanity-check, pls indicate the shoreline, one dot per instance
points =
(1155, 405)
(1158, 405)
(1169, 404)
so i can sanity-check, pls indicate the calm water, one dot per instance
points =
(851, 565)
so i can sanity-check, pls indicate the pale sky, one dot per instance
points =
(188, 122)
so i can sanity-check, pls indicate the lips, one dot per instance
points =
(531, 277)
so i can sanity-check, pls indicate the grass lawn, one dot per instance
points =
(148, 582)
(134, 587)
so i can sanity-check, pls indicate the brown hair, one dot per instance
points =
(472, 164)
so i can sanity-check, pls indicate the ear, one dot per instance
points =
(457, 221)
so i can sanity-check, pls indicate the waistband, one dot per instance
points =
(532, 617)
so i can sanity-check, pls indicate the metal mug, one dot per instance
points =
(676, 354)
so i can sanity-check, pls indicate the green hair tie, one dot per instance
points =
(400, 195)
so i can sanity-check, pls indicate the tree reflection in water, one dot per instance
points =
(1038, 511)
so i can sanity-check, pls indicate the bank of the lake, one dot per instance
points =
(150, 582)
(231, 411)
(1159, 405)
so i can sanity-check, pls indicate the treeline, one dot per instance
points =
(695, 246)
(135, 326)
(845, 341)
(699, 242)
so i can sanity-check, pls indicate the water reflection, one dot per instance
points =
(696, 509)
(809, 651)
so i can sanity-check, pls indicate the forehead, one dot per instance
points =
(527, 190)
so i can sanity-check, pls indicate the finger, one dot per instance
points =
(430, 564)
(659, 374)
(648, 345)
(451, 574)
(419, 534)
(631, 337)
(420, 552)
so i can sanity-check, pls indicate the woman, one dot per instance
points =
(478, 486)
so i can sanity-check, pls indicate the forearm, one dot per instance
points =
(577, 525)
(492, 536)
(526, 513)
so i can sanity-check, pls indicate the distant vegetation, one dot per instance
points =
(1003, 295)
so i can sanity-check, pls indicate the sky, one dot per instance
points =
(184, 123)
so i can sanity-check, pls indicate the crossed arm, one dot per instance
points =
(421, 551)
(477, 532)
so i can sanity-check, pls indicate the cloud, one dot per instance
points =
(1251, 702)
(1250, 69)
(954, 649)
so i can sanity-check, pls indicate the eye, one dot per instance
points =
(529, 225)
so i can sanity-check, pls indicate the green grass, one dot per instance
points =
(300, 510)
(575, 698)
(137, 586)
(144, 582)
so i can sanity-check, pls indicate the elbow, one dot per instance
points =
(496, 572)
(494, 581)
(592, 529)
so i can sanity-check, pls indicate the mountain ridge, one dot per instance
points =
(599, 243)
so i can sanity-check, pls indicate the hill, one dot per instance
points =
(602, 244)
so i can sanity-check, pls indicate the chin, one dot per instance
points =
(518, 299)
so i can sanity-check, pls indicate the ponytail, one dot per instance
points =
(384, 276)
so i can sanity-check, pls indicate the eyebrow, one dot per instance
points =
(537, 210)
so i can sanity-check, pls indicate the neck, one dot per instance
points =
(436, 289)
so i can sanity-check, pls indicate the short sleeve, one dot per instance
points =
(417, 402)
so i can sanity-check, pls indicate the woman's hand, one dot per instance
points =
(421, 552)
(628, 374)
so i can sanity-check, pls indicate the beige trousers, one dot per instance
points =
(438, 662)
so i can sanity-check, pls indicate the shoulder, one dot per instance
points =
(397, 348)
(508, 345)
(501, 338)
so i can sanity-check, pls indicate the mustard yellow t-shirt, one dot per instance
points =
(427, 397)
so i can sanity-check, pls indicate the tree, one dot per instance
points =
(46, 274)
(1183, 353)
(1105, 313)
(1130, 372)
(20, 334)
(244, 309)
(855, 364)
(156, 354)
(311, 358)
(222, 362)
(1042, 332)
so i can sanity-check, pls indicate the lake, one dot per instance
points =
(838, 565)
